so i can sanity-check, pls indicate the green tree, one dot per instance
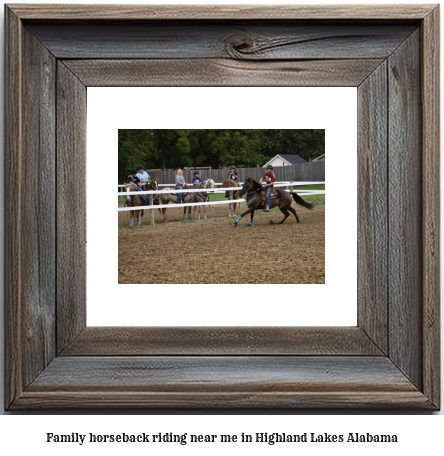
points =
(171, 148)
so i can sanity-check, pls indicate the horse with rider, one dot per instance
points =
(264, 196)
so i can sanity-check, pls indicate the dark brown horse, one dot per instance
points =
(134, 201)
(231, 183)
(254, 191)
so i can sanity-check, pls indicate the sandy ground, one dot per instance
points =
(205, 251)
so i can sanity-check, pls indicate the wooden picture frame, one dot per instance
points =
(390, 360)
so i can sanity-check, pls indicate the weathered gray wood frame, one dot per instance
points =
(390, 360)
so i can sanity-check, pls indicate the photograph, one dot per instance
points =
(221, 196)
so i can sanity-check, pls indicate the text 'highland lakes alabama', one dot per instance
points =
(259, 437)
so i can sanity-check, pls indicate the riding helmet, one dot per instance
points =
(133, 171)
(140, 167)
(196, 172)
(232, 167)
(269, 167)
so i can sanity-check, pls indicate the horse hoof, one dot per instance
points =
(235, 225)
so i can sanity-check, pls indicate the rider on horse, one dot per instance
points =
(197, 182)
(269, 179)
(143, 176)
(133, 177)
(180, 185)
(196, 179)
(233, 174)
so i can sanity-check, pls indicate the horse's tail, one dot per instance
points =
(301, 202)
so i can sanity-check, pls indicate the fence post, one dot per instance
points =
(231, 204)
(151, 210)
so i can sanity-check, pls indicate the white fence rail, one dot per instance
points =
(292, 183)
(182, 205)
(210, 190)
(219, 190)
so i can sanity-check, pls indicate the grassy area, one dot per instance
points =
(317, 199)
(310, 187)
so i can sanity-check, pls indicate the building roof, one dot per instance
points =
(321, 157)
(291, 159)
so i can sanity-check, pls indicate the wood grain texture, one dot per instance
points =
(205, 72)
(231, 40)
(372, 207)
(39, 207)
(431, 205)
(106, 341)
(234, 382)
(220, 12)
(13, 209)
(89, 374)
(405, 207)
(71, 207)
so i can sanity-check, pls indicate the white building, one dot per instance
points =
(285, 160)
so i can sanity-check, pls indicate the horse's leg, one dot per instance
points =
(286, 214)
(251, 219)
(243, 215)
(293, 211)
(164, 214)
(283, 208)
(131, 220)
(285, 218)
(189, 212)
(184, 213)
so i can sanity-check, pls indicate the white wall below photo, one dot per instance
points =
(331, 304)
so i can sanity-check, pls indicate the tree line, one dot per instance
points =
(171, 149)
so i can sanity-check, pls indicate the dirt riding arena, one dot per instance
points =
(208, 251)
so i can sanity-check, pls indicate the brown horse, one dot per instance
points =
(153, 185)
(254, 190)
(231, 183)
(134, 201)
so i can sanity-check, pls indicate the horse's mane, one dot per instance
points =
(256, 184)
(209, 182)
